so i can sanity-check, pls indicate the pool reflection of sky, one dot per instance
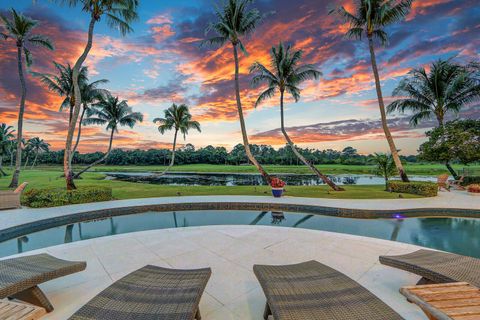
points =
(459, 235)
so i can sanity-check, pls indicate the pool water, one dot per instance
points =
(458, 235)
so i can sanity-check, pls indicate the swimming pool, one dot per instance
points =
(458, 235)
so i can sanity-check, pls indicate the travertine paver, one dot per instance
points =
(231, 251)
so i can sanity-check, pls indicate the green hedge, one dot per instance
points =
(471, 180)
(54, 197)
(421, 188)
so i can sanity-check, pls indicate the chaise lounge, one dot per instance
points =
(149, 293)
(314, 291)
(437, 267)
(20, 277)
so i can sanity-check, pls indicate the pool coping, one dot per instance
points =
(16, 223)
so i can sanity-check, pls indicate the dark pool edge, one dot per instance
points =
(43, 224)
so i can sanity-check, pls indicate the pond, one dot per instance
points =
(458, 235)
(231, 179)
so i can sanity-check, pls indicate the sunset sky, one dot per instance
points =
(161, 62)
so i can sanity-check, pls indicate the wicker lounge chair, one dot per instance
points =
(313, 291)
(442, 182)
(437, 267)
(11, 199)
(457, 184)
(149, 293)
(20, 277)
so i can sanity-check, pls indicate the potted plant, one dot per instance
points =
(474, 189)
(277, 187)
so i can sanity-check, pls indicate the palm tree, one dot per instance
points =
(445, 89)
(19, 28)
(286, 76)
(234, 21)
(6, 137)
(119, 14)
(384, 166)
(177, 118)
(37, 145)
(113, 112)
(371, 18)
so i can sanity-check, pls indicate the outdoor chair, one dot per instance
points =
(442, 182)
(457, 184)
(149, 293)
(20, 277)
(314, 291)
(11, 199)
(437, 266)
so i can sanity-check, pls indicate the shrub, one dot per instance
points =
(421, 188)
(474, 188)
(471, 180)
(54, 197)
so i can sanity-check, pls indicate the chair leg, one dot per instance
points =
(267, 311)
(425, 281)
(34, 296)
(198, 316)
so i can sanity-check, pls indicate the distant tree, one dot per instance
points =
(37, 146)
(177, 118)
(6, 138)
(370, 18)
(384, 166)
(19, 28)
(113, 112)
(234, 21)
(446, 88)
(456, 141)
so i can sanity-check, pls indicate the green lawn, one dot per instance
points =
(412, 169)
(43, 178)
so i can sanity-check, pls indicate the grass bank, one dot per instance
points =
(43, 178)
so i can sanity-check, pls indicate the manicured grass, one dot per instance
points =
(129, 190)
(412, 169)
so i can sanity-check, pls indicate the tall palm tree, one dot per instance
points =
(113, 112)
(119, 14)
(37, 146)
(234, 21)
(19, 28)
(445, 89)
(177, 118)
(370, 19)
(6, 137)
(285, 76)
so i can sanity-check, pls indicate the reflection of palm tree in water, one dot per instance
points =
(113, 230)
(68, 234)
(20, 242)
(302, 220)
(258, 218)
(397, 223)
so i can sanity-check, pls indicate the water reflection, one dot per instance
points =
(217, 179)
(459, 235)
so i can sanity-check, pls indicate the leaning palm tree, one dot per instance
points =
(118, 13)
(177, 118)
(370, 19)
(113, 112)
(234, 21)
(446, 88)
(6, 137)
(37, 146)
(19, 28)
(284, 77)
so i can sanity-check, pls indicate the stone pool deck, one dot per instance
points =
(461, 202)
(232, 292)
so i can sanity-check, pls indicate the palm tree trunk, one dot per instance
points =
(34, 160)
(324, 178)
(105, 156)
(452, 171)
(18, 162)
(67, 170)
(26, 163)
(79, 133)
(11, 159)
(1, 167)
(172, 160)
(381, 104)
(242, 120)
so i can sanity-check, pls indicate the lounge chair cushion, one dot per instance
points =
(150, 293)
(437, 266)
(311, 290)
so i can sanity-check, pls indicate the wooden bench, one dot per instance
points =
(20, 311)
